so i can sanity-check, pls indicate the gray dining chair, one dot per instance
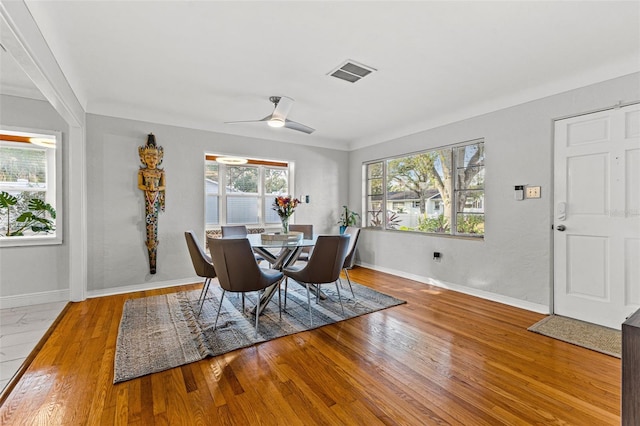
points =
(307, 231)
(350, 260)
(201, 264)
(234, 231)
(323, 267)
(238, 231)
(239, 273)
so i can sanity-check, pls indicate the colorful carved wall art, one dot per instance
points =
(151, 181)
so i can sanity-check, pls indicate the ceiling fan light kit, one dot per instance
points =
(278, 118)
(275, 122)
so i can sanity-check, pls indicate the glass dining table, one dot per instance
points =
(279, 254)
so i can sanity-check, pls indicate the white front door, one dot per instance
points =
(597, 216)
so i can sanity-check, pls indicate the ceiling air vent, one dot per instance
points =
(351, 71)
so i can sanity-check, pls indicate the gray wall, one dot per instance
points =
(35, 274)
(514, 261)
(512, 264)
(116, 234)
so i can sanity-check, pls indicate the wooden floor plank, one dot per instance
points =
(442, 358)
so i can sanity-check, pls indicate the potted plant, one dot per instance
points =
(347, 218)
(38, 216)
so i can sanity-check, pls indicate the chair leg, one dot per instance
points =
(309, 304)
(205, 286)
(286, 287)
(257, 313)
(280, 299)
(339, 297)
(203, 294)
(219, 307)
(346, 272)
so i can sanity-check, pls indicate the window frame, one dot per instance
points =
(453, 190)
(54, 190)
(262, 197)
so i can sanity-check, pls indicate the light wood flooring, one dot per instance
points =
(21, 329)
(442, 358)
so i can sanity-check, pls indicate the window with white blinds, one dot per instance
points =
(244, 194)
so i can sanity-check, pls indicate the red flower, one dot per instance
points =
(285, 205)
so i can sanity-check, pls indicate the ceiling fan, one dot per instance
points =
(278, 118)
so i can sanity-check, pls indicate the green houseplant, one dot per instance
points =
(38, 216)
(347, 218)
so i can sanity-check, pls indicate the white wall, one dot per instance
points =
(514, 261)
(38, 274)
(116, 235)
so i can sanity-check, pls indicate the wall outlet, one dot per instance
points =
(533, 192)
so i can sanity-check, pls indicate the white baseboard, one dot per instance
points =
(511, 301)
(63, 295)
(142, 287)
(34, 298)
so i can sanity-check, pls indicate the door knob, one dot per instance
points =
(561, 228)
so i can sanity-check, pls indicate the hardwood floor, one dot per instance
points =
(442, 358)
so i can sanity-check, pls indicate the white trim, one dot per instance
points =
(620, 104)
(76, 234)
(24, 41)
(506, 300)
(143, 287)
(21, 37)
(34, 298)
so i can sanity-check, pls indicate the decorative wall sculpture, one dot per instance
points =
(151, 181)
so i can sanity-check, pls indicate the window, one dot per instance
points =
(29, 200)
(440, 191)
(243, 194)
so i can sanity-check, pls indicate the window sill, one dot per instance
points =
(30, 241)
(428, 234)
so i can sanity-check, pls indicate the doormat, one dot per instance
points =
(591, 336)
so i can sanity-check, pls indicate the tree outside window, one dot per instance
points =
(436, 191)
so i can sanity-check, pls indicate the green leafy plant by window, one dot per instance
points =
(434, 224)
(37, 217)
(348, 217)
(471, 224)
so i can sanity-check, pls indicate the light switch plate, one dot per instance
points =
(533, 192)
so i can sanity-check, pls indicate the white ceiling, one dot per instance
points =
(200, 63)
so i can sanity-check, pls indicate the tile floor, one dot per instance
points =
(20, 331)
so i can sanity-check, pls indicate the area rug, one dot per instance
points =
(590, 336)
(161, 332)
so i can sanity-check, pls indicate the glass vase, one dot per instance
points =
(285, 225)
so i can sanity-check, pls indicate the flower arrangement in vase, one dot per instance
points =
(285, 206)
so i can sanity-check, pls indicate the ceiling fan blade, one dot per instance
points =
(267, 118)
(283, 105)
(293, 125)
(282, 108)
